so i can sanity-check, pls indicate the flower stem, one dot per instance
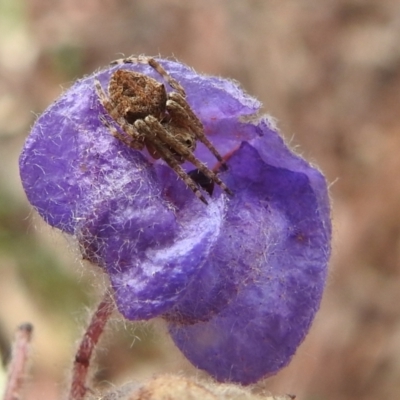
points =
(83, 355)
(19, 359)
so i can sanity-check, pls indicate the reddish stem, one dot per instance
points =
(19, 359)
(86, 347)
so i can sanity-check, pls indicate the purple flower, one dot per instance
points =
(238, 280)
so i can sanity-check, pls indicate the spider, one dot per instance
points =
(162, 122)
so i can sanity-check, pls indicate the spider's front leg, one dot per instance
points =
(160, 133)
(181, 112)
(166, 154)
(133, 138)
(111, 108)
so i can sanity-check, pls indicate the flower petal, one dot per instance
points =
(150, 258)
(273, 255)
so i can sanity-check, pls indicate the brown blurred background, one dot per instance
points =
(328, 70)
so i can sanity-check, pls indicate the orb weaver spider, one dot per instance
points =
(162, 122)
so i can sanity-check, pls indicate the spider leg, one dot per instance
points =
(127, 140)
(155, 65)
(180, 109)
(134, 139)
(110, 107)
(169, 158)
(104, 100)
(131, 60)
(168, 78)
(157, 129)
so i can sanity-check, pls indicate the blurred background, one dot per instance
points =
(328, 70)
